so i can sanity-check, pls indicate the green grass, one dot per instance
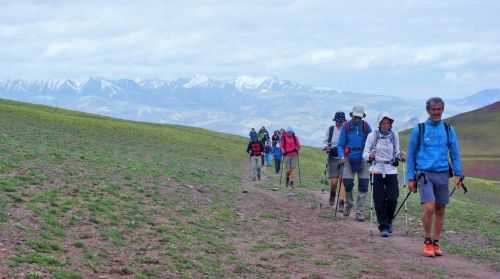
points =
(99, 185)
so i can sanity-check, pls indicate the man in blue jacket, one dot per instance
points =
(429, 169)
(351, 144)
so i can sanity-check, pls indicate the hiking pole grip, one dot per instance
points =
(463, 185)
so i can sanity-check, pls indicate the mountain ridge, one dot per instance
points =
(226, 105)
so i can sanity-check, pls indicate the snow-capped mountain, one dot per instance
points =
(232, 106)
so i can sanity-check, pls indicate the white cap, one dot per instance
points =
(383, 115)
(358, 111)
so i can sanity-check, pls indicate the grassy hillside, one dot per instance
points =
(83, 194)
(479, 137)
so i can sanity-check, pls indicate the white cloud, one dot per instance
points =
(306, 39)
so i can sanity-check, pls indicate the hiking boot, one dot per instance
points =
(347, 209)
(341, 206)
(332, 199)
(429, 249)
(384, 233)
(437, 249)
(360, 217)
(389, 228)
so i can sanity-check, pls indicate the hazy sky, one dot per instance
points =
(407, 48)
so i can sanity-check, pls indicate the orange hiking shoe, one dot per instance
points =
(428, 249)
(437, 249)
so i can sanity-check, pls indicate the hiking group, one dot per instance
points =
(373, 156)
(282, 148)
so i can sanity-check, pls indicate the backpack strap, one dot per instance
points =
(421, 132)
(374, 144)
(347, 126)
(447, 127)
(420, 140)
(391, 138)
(330, 134)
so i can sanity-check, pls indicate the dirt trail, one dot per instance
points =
(285, 234)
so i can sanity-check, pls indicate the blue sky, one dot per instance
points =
(404, 48)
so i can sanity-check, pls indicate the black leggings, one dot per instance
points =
(385, 197)
(277, 165)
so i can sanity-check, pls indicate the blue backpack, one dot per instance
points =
(253, 136)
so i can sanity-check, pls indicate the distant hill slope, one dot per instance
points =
(479, 131)
(479, 137)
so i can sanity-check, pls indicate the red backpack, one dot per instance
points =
(289, 143)
(256, 149)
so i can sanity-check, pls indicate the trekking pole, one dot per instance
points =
(341, 177)
(298, 163)
(405, 204)
(371, 203)
(404, 201)
(406, 198)
(281, 170)
(462, 184)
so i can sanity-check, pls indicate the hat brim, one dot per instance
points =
(357, 114)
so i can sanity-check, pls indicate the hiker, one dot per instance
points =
(350, 145)
(263, 136)
(334, 166)
(275, 138)
(290, 147)
(383, 152)
(267, 154)
(252, 134)
(277, 156)
(430, 145)
(255, 149)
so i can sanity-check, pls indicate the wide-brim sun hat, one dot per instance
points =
(358, 111)
(384, 115)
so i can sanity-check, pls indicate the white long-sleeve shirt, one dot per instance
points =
(335, 135)
(384, 152)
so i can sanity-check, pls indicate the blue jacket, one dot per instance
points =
(432, 154)
(277, 153)
(355, 139)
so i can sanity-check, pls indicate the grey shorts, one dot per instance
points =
(334, 167)
(364, 173)
(433, 187)
(291, 162)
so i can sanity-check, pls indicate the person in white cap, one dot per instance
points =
(383, 151)
(351, 144)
